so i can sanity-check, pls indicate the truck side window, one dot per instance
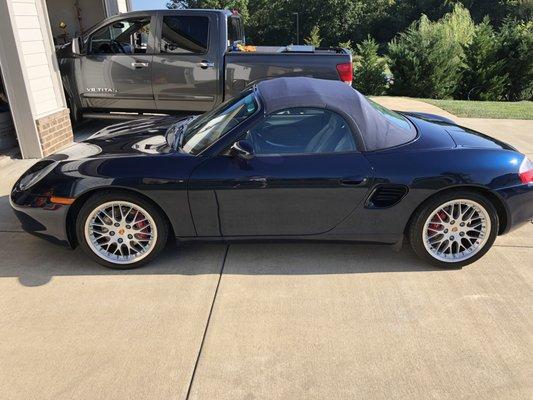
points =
(184, 35)
(121, 37)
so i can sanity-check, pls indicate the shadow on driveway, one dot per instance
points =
(35, 261)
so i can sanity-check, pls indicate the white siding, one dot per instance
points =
(122, 6)
(114, 7)
(31, 33)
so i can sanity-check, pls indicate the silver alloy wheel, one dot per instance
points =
(456, 230)
(120, 232)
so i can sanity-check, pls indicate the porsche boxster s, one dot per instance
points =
(290, 158)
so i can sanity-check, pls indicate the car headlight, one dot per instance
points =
(37, 172)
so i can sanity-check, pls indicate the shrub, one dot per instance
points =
(369, 68)
(516, 51)
(484, 76)
(427, 60)
(314, 37)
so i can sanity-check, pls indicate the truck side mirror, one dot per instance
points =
(75, 46)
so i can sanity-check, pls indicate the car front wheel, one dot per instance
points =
(121, 230)
(454, 229)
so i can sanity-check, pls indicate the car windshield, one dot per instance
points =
(393, 117)
(211, 126)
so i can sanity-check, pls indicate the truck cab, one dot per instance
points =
(176, 61)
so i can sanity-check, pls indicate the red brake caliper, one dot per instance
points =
(140, 226)
(435, 222)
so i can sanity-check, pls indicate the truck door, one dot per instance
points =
(116, 69)
(187, 64)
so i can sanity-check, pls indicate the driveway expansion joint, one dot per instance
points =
(207, 323)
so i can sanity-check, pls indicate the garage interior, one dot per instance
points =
(30, 83)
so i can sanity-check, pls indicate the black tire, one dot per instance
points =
(76, 116)
(420, 217)
(101, 198)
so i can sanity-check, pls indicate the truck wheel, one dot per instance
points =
(75, 111)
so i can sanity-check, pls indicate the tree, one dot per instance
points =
(484, 76)
(314, 37)
(516, 50)
(497, 10)
(369, 68)
(427, 60)
(240, 5)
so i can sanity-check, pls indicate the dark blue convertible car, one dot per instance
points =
(290, 158)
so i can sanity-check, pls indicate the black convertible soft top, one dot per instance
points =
(376, 130)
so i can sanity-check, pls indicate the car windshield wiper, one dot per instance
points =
(175, 133)
(180, 133)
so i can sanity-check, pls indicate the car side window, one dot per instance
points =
(128, 36)
(301, 131)
(184, 35)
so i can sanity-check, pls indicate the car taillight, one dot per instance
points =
(526, 171)
(345, 71)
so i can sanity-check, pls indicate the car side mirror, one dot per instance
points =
(242, 149)
(75, 46)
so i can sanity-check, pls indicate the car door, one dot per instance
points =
(305, 177)
(187, 64)
(116, 69)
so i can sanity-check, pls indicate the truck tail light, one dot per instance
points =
(345, 71)
(526, 171)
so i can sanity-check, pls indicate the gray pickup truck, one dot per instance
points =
(179, 62)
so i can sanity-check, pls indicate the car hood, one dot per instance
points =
(136, 137)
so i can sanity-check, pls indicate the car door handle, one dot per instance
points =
(138, 64)
(353, 181)
(258, 179)
(204, 64)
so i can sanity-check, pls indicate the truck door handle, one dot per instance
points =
(204, 64)
(137, 64)
(353, 181)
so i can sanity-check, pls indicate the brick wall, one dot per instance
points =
(55, 131)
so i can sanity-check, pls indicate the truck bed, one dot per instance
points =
(245, 68)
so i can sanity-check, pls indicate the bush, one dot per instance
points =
(314, 37)
(516, 51)
(428, 59)
(369, 68)
(484, 76)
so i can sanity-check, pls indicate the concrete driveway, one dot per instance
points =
(263, 321)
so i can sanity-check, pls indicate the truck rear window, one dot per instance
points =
(235, 30)
(184, 34)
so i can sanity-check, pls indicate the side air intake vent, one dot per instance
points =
(386, 196)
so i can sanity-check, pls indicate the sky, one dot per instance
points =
(149, 4)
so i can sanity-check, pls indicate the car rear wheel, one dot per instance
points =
(121, 230)
(454, 229)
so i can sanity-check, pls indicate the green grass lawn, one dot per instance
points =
(485, 109)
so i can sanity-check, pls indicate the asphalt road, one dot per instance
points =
(263, 321)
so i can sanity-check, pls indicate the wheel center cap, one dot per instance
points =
(454, 229)
(121, 231)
